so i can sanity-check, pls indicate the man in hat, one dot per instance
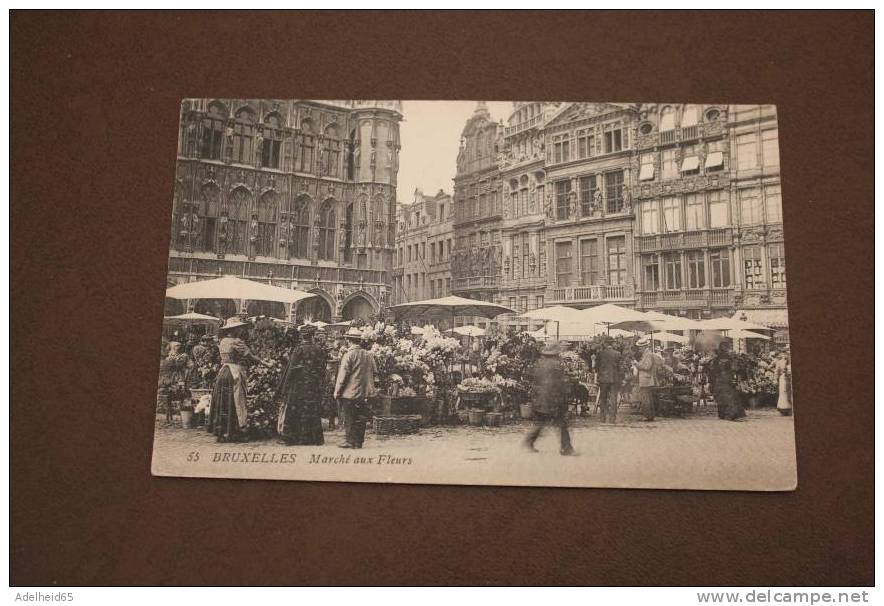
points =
(648, 366)
(354, 384)
(550, 403)
(608, 377)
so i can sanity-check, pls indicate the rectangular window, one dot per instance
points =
(589, 262)
(538, 302)
(750, 206)
(587, 191)
(563, 263)
(671, 214)
(694, 212)
(617, 260)
(243, 134)
(562, 150)
(718, 211)
(696, 269)
(747, 156)
(668, 167)
(777, 266)
(672, 271)
(613, 141)
(773, 205)
(526, 255)
(614, 191)
(512, 304)
(720, 260)
(307, 155)
(752, 267)
(563, 188)
(523, 304)
(210, 141)
(770, 147)
(650, 218)
(523, 202)
(651, 272)
(541, 263)
(647, 168)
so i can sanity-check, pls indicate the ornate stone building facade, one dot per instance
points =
(298, 193)
(424, 242)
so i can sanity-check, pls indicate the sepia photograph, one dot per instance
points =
(477, 292)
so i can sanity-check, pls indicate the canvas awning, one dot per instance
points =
(690, 163)
(715, 160)
(774, 318)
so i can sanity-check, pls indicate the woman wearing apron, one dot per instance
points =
(229, 417)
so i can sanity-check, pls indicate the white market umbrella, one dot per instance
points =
(231, 287)
(469, 331)
(558, 313)
(456, 306)
(417, 331)
(730, 324)
(666, 337)
(192, 318)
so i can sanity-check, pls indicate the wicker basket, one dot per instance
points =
(397, 424)
(493, 419)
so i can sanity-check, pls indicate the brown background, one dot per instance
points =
(94, 124)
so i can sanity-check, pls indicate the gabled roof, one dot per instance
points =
(570, 112)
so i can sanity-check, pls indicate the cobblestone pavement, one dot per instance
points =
(700, 451)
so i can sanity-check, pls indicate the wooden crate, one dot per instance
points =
(397, 424)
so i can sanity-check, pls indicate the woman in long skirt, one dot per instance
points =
(723, 373)
(228, 417)
(784, 382)
(300, 392)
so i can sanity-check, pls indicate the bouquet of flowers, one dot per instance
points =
(477, 385)
(262, 383)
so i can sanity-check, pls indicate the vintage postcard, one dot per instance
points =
(526, 293)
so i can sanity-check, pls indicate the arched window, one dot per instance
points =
(667, 119)
(213, 131)
(301, 227)
(268, 206)
(305, 154)
(243, 136)
(690, 116)
(327, 230)
(211, 198)
(238, 215)
(272, 144)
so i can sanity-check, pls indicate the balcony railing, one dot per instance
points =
(684, 133)
(690, 239)
(700, 297)
(475, 282)
(593, 293)
(513, 130)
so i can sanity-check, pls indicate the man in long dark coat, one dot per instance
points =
(550, 403)
(608, 377)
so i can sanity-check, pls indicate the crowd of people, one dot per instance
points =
(334, 377)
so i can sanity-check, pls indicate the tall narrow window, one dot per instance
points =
(747, 156)
(585, 142)
(563, 188)
(306, 155)
(243, 137)
(616, 260)
(696, 269)
(331, 153)
(650, 217)
(212, 134)
(720, 260)
(587, 191)
(770, 147)
(211, 203)
(668, 166)
(561, 149)
(667, 119)
(238, 213)
(752, 267)
(651, 272)
(267, 211)
(718, 208)
(750, 206)
(672, 271)
(301, 227)
(613, 140)
(772, 204)
(541, 255)
(589, 262)
(351, 156)
(671, 214)
(563, 263)
(327, 231)
(526, 255)
(614, 191)
(690, 116)
(777, 266)
(272, 145)
(694, 214)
